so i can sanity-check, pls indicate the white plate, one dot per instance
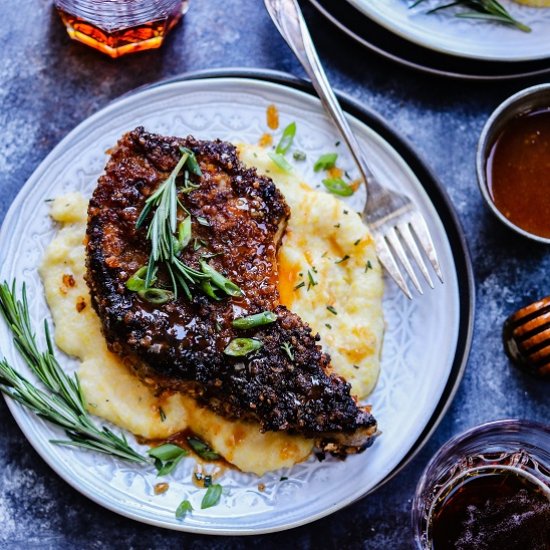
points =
(445, 33)
(419, 347)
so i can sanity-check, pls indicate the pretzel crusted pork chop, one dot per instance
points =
(183, 317)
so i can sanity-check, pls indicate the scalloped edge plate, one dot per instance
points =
(38, 432)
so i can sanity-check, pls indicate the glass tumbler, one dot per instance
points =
(119, 27)
(488, 454)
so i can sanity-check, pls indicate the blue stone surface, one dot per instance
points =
(48, 84)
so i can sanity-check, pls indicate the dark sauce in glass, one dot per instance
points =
(499, 510)
(518, 172)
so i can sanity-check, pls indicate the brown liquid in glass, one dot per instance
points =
(118, 42)
(518, 172)
(501, 510)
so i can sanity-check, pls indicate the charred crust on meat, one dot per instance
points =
(179, 344)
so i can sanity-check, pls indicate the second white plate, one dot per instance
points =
(445, 33)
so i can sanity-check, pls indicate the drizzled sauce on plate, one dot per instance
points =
(518, 172)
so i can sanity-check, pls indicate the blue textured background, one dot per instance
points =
(49, 84)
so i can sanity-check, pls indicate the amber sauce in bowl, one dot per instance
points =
(518, 172)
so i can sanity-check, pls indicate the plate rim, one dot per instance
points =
(457, 243)
(375, 16)
(367, 43)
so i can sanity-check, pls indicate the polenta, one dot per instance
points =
(320, 233)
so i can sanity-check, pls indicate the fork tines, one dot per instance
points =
(402, 240)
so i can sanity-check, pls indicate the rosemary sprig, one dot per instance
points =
(165, 247)
(162, 228)
(62, 402)
(488, 10)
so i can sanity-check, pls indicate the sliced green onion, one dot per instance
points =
(137, 280)
(212, 496)
(286, 139)
(202, 449)
(209, 290)
(337, 186)
(167, 457)
(326, 161)
(239, 347)
(183, 509)
(184, 232)
(165, 452)
(156, 295)
(256, 320)
(281, 162)
(220, 281)
(192, 162)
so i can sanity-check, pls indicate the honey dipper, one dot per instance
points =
(526, 336)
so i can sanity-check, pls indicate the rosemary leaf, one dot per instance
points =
(61, 401)
(486, 10)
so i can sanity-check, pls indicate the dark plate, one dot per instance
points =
(383, 42)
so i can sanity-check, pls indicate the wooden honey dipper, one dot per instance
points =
(526, 336)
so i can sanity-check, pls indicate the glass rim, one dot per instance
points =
(449, 452)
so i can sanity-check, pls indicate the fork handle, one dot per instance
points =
(288, 18)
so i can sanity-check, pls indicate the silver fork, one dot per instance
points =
(393, 218)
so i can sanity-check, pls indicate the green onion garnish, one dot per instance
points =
(212, 496)
(281, 162)
(137, 280)
(326, 161)
(239, 347)
(192, 163)
(202, 449)
(183, 509)
(337, 186)
(156, 295)
(256, 320)
(286, 139)
(217, 279)
(166, 457)
(184, 232)
(210, 291)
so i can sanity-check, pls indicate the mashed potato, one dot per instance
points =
(312, 240)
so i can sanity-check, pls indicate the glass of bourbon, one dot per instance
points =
(119, 27)
(487, 488)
